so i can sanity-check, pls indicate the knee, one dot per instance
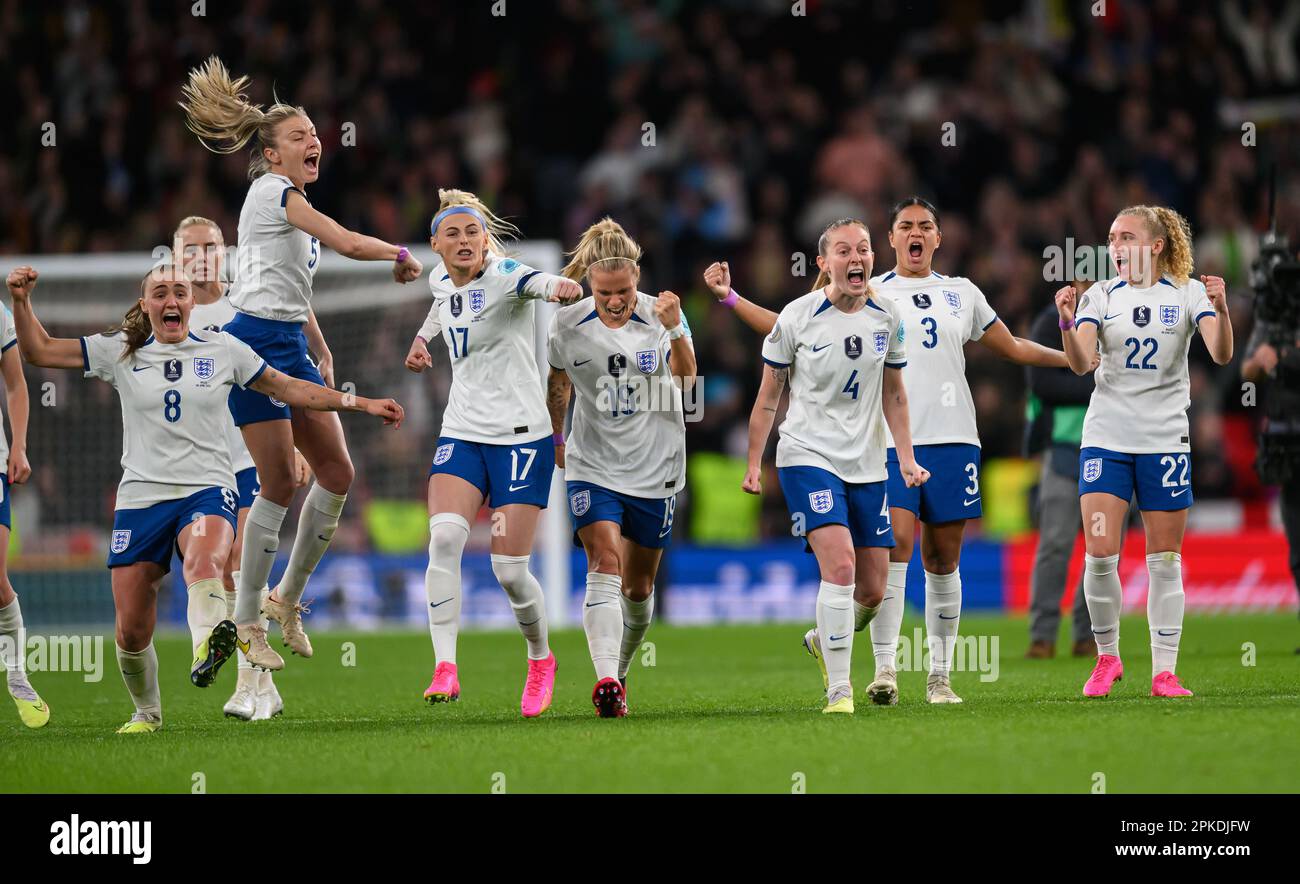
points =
(938, 563)
(277, 483)
(448, 533)
(902, 551)
(639, 589)
(605, 560)
(204, 566)
(336, 475)
(511, 572)
(133, 636)
(840, 569)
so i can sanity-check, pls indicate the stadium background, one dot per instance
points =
(765, 125)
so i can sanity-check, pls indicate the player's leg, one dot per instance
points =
(640, 569)
(453, 501)
(904, 504)
(1164, 492)
(204, 545)
(13, 642)
(510, 554)
(135, 601)
(255, 689)
(602, 610)
(1106, 483)
(832, 544)
(941, 554)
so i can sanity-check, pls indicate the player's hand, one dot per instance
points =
(1095, 361)
(21, 281)
(1266, 357)
(325, 365)
(1217, 292)
(566, 292)
(668, 309)
(717, 276)
(19, 470)
(301, 470)
(418, 359)
(913, 474)
(408, 270)
(388, 409)
(559, 455)
(1066, 298)
(753, 483)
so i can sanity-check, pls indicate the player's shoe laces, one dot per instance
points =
(813, 645)
(212, 653)
(445, 687)
(141, 723)
(538, 687)
(290, 619)
(608, 698)
(269, 704)
(252, 641)
(884, 690)
(839, 700)
(31, 708)
(938, 689)
(1165, 684)
(1107, 671)
(243, 702)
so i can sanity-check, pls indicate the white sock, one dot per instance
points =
(887, 623)
(942, 617)
(261, 541)
(448, 534)
(13, 641)
(317, 523)
(1165, 609)
(526, 598)
(835, 630)
(602, 620)
(636, 620)
(205, 609)
(140, 674)
(862, 615)
(1105, 598)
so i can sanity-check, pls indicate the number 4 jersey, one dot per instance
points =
(174, 411)
(1140, 403)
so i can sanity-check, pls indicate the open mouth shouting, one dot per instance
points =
(171, 320)
(311, 162)
(915, 249)
(856, 276)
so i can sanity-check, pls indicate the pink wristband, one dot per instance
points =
(557, 438)
(730, 299)
(1065, 324)
(402, 254)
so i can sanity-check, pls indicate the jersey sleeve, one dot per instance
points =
(1091, 307)
(779, 345)
(246, 366)
(273, 199)
(522, 282)
(982, 314)
(432, 327)
(1198, 303)
(100, 355)
(896, 356)
(8, 332)
(554, 347)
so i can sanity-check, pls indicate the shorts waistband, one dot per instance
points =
(257, 323)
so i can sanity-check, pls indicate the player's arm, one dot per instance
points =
(718, 278)
(893, 401)
(1078, 338)
(681, 352)
(34, 342)
(998, 338)
(558, 389)
(304, 394)
(11, 365)
(418, 357)
(547, 287)
(1216, 327)
(316, 343)
(761, 419)
(349, 243)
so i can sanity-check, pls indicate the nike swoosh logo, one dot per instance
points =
(583, 362)
(243, 645)
(880, 531)
(531, 622)
(1116, 316)
(973, 500)
(520, 487)
(819, 349)
(1102, 631)
(322, 537)
(213, 595)
(443, 602)
(137, 672)
(1176, 493)
(887, 598)
(941, 617)
(141, 368)
(1162, 632)
(270, 552)
(594, 604)
(836, 638)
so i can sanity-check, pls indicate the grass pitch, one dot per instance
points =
(723, 709)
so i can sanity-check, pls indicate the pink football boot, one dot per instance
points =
(445, 686)
(1107, 671)
(1165, 684)
(538, 687)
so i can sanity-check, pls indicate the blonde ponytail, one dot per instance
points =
(1164, 223)
(498, 229)
(218, 111)
(605, 242)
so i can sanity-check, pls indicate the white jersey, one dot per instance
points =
(174, 411)
(628, 432)
(213, 317)
(496, 389)
(1139, 405)
(940, 314)
(8, 338)
(274, 261)
(837, 361)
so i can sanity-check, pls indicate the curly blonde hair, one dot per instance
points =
(1164, 223)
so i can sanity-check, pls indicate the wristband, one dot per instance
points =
(1065, 324)
(402, 254)
(730, 299)
(677, 331)
(557, 438)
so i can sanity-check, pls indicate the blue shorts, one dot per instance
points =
(818, 497)
(645, 521)
(952, 492)
(284, 347)
(504, 473)
(1163, 481)
(149, 534)
(5, 515)
(248, 486)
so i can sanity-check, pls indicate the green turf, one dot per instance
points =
(733, 708)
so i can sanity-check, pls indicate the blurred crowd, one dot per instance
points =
(729, 129)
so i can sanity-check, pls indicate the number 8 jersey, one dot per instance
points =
(1140, 402)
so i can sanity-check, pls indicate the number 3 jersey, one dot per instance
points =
(628, 431)
(1140, 402)
(837, 361)
(174, 411)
